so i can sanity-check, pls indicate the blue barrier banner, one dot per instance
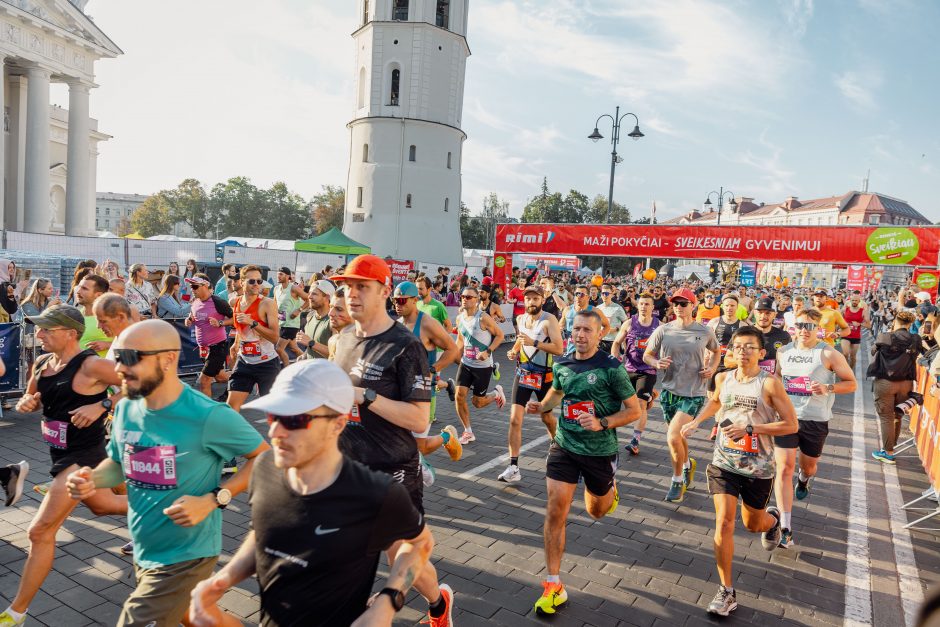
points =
(748, 273)
(10, 353)
(190, 362)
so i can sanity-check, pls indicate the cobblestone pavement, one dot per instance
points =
(650, 563)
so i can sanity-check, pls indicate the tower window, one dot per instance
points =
(400, 10)
(365, 12)
(413, 153)
(393, 94)
(408, 201)
(443, 13)
(365, 153)
(447, 204)
(362, 87)
(359, 197)
(359, 217)
(448, 161)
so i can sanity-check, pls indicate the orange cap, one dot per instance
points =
(367, 268)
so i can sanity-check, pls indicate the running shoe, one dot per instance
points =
(689, 473)
(613, 506)
(496, 374)
(676, 492)
(427, 471)
(127, 549)
(633, 446)
(786, 539)
(714, 434)
(451, 390)
(511, 474)
(453, 445)
(467, 437)
(230, 467)
(8, 621)
(883, 457)
(724, 602)
(41, 488)
(554, 597)
(770, 539)
(802, 488)
(447, 618)
(14, 485)
(500, 396)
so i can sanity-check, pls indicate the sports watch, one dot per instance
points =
(223, 497)
(397, 597)
(749, 429)
(604, 425)
(830, 388)
(368, 397)
(107, 404)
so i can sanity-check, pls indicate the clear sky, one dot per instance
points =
(766, 98)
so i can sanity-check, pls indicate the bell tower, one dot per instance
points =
(406, 144)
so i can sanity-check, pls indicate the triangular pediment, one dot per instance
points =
(68, 16)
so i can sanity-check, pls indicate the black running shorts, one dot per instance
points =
(409, 475)
(215, 360)
(754, 492)
(245, 376)
(853, 340)
(643, 383)
(809, 439)
(522, 394)
(477, 379)
(62, 459)
(596, 470)
(288, 333)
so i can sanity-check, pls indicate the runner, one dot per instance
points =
(810, 369)
(12, 476)
(775, 338)
(433, 337)
(315, 337)
(752, 408)
(831, 318)
(429, 305)
(478, 336)
(580, 303)
(210, 314)
(554, 303)
(615, 315)
(488, 306)
(289, 299)
(856, 314)
(114, 314)
(783, 307)
(636, 333)
(256, 327)
(70, 386)
(169, 442)
(320, 578)
(596, 397)
(679, 349)
(708, 310)
(724, 327)
(340, 322)
(538, 342)
(389, 367)
(87, 291)
(221, 286)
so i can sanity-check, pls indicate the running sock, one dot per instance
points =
(445, 436)
(677, 478)
(637, 435)
(5, 475)
(437, 610)
(553, 578)
(16, 615)
(785, 520)
(803, 478)
(729, 589)
(513, 461)
(687, 464)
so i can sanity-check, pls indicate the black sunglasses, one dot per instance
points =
(401, 301)
(297, 421)
(130, 357)
(254, 281)
(681, 303)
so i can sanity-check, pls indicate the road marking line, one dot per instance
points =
(912, 594)
(858, 609)
(473, 472)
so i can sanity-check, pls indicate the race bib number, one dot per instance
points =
(282, 316)
(354, 417)
(798, 386)
(642, 342)
(471, 352)
(571, 411)
(203, 352)
(724, 350)
(748, 446)
(531, 380)
(150, 467)
(768, 365)
(251, 349)
(821, 333)
(55, 433)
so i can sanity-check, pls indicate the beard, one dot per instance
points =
(533, 309)
(145, 387)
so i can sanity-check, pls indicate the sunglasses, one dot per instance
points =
(130, 357)
(402, 301)
(605, 293)
(254, 281)
(805, 326)
(681, 303)
(580, 294)
(297, 421)
(467, 297)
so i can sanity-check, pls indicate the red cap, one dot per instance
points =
(686, 293)
(487, 280)
(367, 268)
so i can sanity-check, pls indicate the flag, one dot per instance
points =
(636, 270)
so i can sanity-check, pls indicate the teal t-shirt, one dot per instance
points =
(165, 454)
(599, 385)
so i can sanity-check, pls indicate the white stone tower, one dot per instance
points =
(403, 192)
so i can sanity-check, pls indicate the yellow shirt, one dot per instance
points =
(832, 318)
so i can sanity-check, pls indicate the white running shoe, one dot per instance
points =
(467, 437)
(500, 396)
(511, 474)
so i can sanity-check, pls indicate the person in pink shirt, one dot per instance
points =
(210, 314)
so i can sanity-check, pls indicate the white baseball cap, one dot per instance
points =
(325, 286)
(307, 385)
(923, 296)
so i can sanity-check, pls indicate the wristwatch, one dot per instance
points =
(830, 388)
(368, 397)
(604, 425)
(397, 597)
(107, 404)
(749, 429)
(254, 323)
(222, 497)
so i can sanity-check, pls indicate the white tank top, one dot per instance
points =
(476, 339)
(538, 333)
(799, 368)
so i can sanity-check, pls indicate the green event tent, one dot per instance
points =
(333, 241)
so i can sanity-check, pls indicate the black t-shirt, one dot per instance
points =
(774, 340)
(550, 306)
(316, 555)
(661, 305)
(394, 363)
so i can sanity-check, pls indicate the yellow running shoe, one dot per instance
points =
(8, 621)
(690, 473)
(613, 506)
(554, 597)
(453, 445)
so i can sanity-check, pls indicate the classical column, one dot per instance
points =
(9, 213)
(37, 207)
(16, 152)
(78, 167)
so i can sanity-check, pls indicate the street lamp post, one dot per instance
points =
(635, 134)
(721, 196)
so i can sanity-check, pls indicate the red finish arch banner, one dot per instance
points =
(889, 245)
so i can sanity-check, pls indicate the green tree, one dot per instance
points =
(188, 203)
(328, 208)
(597, 212)
(239, 205)
(287, 214)
(153, 217)
(546, 207)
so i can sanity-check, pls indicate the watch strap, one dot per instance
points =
(397, 597)
(216, 491)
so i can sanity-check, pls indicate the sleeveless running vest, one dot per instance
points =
(742, 402)
(58, 399)
(855, 320)
(254, 349)
(531, 358)
(637, 338)
(475, 340)
(416, 329)
(799, 368)
(724, 331)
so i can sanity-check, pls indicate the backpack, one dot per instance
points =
(895, 357)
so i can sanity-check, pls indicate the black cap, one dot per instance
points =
(765, 304)
(285, 270)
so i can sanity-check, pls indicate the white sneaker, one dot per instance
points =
(500, 396)
(511, 474)
(467, 437)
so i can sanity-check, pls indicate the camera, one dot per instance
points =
(913, 400)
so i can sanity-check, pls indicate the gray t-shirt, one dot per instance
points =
(617, 317)
(686, 346)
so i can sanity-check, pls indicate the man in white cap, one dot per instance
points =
(319, 519)
(316, 334)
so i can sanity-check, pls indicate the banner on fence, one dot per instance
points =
(190, 362)
(925, 425)
(10, 353)
(927, 280)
